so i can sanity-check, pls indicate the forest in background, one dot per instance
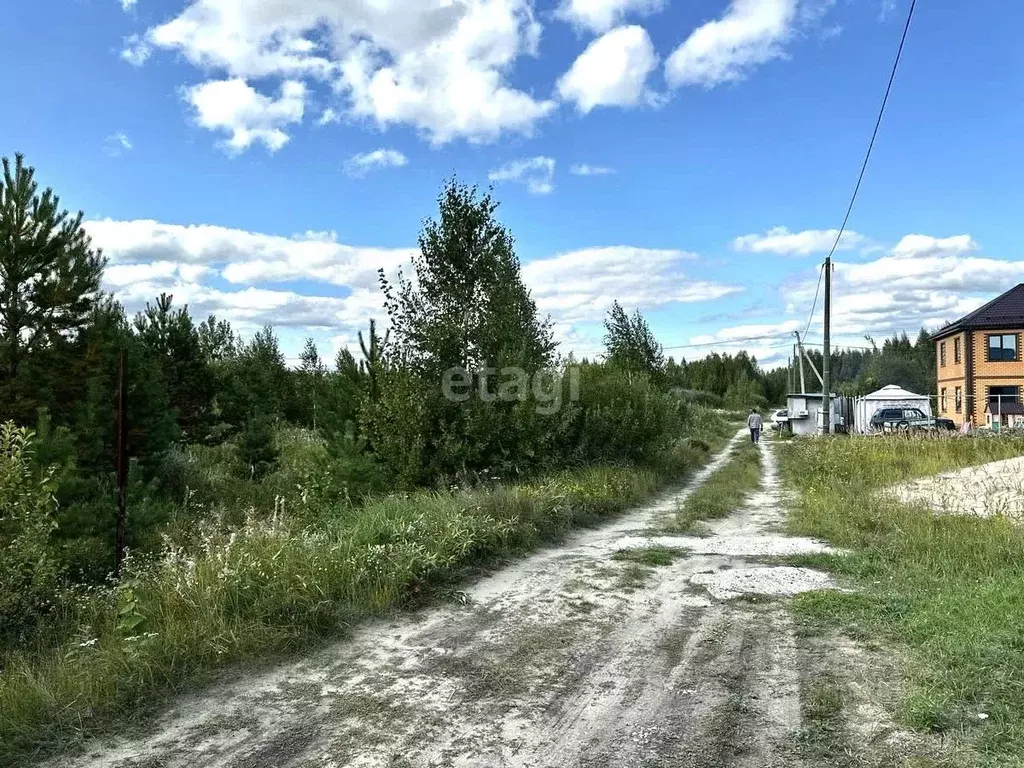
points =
(736, 381)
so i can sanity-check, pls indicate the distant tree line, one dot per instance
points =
(738, 381)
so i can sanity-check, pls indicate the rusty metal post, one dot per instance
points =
(122, 465)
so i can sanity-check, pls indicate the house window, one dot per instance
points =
(1002, 347)
(956, 351)
(942, 354)
(942, 404)
(998, 396)
(958, 400)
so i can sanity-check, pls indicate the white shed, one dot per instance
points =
(891, 396)
(806, 413)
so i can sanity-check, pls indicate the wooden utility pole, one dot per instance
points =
(826, 363)
(798, 352)
(122, 465)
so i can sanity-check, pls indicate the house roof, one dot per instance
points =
(1007, 409)
(1004, 311)
(894, 392)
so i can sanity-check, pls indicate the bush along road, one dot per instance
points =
(663, 638)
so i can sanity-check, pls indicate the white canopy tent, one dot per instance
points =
(891, 396)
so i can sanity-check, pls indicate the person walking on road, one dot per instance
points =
(755, 424)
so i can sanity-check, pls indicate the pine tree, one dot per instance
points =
(217, 340)
(345, 365)
(373, 357)
(310, 382)
(91, 409)
(173, 340)
(309, 359)
(49, 272)
(257, 382)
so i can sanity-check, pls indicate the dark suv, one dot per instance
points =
(907, 418)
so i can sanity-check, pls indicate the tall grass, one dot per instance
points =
(724, 491)
(276, 583)
(948, 588)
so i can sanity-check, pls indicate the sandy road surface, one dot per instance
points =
(568, 658)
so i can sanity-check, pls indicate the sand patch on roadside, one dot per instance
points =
(988, 490)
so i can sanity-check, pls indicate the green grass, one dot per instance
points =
(949, 589)
(723, 492)
(269, 587)
(633, 577)
(823, 737)
(654, 555)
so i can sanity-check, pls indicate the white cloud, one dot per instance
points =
(127, 5)
(441, 67)
(781, 241)
(328, 116)
(233, 106)
(602, 15)
(832, 31)
(136, 51)
(612, 71)
(117, 144)
(537, 173)
(580, 286)
(770, 352)
(750, 33)
(911, 246)
(769, 343)
(360, 164)
(250, 308)
(583, 169)
(761, 332)
(575, 288)
(242, 257)
(119, 276)
(922, 281)
(149, 257)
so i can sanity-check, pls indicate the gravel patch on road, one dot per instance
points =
(762, 580)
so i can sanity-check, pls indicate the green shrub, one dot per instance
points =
(30, 574)
(620, 416)
(256, 446)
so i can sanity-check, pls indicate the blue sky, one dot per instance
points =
(262, 158)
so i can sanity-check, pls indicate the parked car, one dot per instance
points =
(778, 419)
(905, 419)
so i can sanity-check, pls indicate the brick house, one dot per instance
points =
(980, 363)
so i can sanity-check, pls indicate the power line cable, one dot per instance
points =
(864, 164)
(727, 342)
(814, 303)
(874, 133)
(720, 342)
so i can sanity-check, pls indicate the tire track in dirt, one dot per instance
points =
(566, 658)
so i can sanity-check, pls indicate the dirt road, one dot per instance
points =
(568, 658)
